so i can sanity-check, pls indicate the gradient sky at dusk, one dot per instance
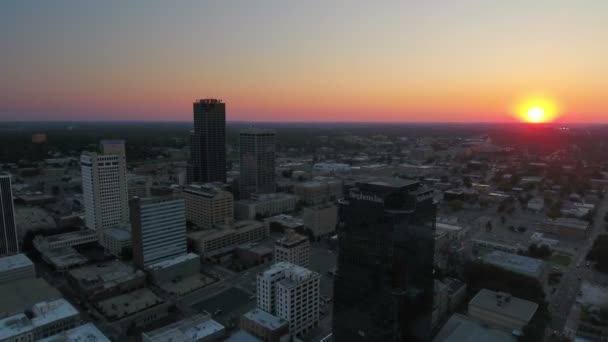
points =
(466, 60)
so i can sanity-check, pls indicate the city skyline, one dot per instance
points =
(469, 61)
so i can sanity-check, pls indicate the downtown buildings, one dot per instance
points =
(293, 248)
(158, 229)
(290, 292)
(9, 242)
(208, 142)
(257, 160)
(385, 262)
(104, 186)
(207, 205)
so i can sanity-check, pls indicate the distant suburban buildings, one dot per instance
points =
(379, 269)
(104, 186)
(293, 248)
(290, 292)
(319, 191)
(330, 168)
(207, 205)
(257, 160)
(208, 142)
(568, 228)
(158, 229)
(9, 241)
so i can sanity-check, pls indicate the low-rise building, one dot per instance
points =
(134, 309)
(249, 255)
(64, 258)
(530, 267)
(501, 309)
(570, 228)
(20, 295)
(462, 328)
(265, 205)
(47, 319)
(15, 267)
(224, 238)
(83, 333)
(177, 267)
(321, 220)
(293, 248)
(101, 281)
(71, 239)
(263, 325)
(116, 241)
(198, 328)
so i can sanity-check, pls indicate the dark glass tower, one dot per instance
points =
(257, 157)
(9, 243)
(208, 142)
(383, 288)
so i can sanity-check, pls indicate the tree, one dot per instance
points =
(521, 229)
(489, 226)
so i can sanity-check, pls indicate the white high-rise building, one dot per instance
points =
(290, 292)
(293, 248)
(104, 186)
(158, 229)
(9, 242)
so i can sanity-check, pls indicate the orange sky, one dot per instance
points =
(465, 61)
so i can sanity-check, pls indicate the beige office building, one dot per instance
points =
(207, 205)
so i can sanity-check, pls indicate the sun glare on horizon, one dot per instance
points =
(536, 110)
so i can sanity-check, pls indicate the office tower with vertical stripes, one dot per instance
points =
(9, 242)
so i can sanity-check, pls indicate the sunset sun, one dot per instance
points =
(536, 110)
(535, 114)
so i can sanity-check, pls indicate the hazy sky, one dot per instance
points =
(465, 60)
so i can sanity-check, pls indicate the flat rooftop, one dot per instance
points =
(43, 312)
(173, 261)
(504, 304)
(129, 303)
(515, 263)
(189, 329)
(71, 235)
(389, 182)
(265, 319)
(85, 333)
(64, 257)
(106, 274)
(14, 262)
(462, 328)
(19, 295)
